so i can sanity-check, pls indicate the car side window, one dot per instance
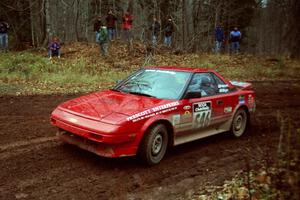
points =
(203, 83)
(222, 87)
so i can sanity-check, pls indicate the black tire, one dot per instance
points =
(239, 123)
(154, 145)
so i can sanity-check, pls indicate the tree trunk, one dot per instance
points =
(47, 22)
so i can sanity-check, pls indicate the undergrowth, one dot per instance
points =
(277, 180)
(82, 69)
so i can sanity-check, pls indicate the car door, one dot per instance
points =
(202, 116)
(225, 99)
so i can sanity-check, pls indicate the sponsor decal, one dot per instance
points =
(201, 114)
(242, 99)
(223, 88)
(153, 111)
(251, 103)
(187, 107)
(176, 119)
(202, 106)
(227, 109)
(187, 114)
(250, 100)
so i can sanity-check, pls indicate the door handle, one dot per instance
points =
(219, 102)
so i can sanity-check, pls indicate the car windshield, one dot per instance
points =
(158, 83)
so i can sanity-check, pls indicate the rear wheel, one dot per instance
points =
(239, 123)
(154, 145)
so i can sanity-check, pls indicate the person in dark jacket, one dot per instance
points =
(235, 38)
(54, 48)
(3, 35)
(219, 38)
(111, 20)
(97, 26)
(155, 30)
(169, 28)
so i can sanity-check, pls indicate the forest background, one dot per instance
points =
(269, 27)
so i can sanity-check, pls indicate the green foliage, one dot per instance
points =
(24, 65)
(41, 75)
(88, 72)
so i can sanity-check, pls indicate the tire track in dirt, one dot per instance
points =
(14, 148)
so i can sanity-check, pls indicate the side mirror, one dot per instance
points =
(192, 95)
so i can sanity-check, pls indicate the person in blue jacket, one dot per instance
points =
(219, 38)
(235, 38)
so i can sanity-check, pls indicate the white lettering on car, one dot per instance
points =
(223, 90)
(153, 111)
(201, 114)
(222, 86)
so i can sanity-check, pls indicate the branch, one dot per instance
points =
(18, 10)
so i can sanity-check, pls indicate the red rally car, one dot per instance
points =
(153, 109)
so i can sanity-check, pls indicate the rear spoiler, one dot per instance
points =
(241, 85)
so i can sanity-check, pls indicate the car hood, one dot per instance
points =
(110, 106)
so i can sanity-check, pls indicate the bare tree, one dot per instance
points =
(267, 28)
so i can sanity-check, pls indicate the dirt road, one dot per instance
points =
(36, 165)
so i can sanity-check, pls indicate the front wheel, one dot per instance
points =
(154, 145)
(239, 123)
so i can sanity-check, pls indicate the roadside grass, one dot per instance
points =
(29, 73)
(82, 69)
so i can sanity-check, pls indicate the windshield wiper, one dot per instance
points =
(116, 90)
(143, 94)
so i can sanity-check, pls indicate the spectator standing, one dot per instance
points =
(97, 26)
(235, 38)
(155, 30)
(103, 40)
(219, 38)
(127, 20)
(3, 35)
(168, 32)
(54, 48)
(111, 20)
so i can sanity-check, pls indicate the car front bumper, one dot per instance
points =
(100, 138)
(101, 149)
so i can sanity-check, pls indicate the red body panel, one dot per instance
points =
(112, 124)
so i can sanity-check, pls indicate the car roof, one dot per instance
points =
(189, 69)
(180, 68)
